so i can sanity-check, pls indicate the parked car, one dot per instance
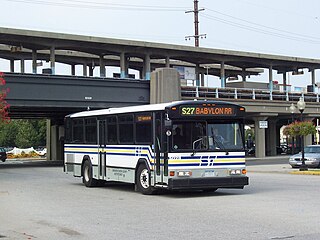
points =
(311, 156)
(42, 152)
(3, 154)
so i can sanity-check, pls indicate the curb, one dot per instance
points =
(309, 172)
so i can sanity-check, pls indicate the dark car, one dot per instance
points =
(3, 154)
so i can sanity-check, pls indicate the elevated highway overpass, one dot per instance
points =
(53, 97)
(34, 95)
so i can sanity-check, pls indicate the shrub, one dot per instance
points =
(303, 128)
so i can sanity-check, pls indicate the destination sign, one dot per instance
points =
(143, 118)
(207, 110)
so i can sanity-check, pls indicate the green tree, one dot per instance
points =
(8, 133)
(23, 133)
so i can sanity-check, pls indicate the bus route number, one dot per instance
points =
(188, 110)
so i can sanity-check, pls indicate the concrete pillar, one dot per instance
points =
(284, 78)
(141, 73)
(197, 75)
(202, 79)
(244, 75)
(12, 65)
(22, 67)
(34, 61)
(313, 77)
(85, 70)
(165, 85)
(52, 60)
(260, 137)
(55, 140)
(48, 139)
(122, 65)
(167, 62)
(308, 138)
(222, 75)
(147, 67)
(102, 67)
(271, 137)
(270, 79)
(91, 68)
(73, 69)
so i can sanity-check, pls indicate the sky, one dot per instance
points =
(286, 27)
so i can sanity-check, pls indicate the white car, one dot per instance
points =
(42, 153)
(311, 157)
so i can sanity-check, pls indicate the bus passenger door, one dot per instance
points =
(161, 163)
(102, 149)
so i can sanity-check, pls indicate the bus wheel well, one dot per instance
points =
(143, 178)
(141, 161)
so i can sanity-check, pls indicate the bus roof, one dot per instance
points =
(139, 108)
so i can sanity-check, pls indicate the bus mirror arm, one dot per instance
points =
(194, 146)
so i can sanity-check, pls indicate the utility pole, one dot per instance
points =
(196, 35)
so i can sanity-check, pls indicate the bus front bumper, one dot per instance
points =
(207, 183)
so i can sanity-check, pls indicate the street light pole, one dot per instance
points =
(292, 109)
(301, 106)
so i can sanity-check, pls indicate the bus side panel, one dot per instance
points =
(74, 156)
(120, 174)
(122, 161)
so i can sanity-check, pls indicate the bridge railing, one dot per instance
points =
(246, 93)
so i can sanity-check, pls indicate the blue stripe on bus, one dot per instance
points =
(197, 164)
(81, 152)
(210, 156)
(80, 146)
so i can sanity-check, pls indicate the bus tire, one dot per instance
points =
(143, 180)
(87, 178)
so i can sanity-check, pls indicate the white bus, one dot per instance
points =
(174, 146)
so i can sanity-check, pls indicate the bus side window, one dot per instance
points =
(112, 137)
(125, 124)
(78, 130)
(144, 129)
(91, 130)
(68, 126)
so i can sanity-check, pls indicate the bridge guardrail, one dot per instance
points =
(246, 93)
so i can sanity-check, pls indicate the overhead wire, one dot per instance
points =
(239, 23)
(99, 5)
(255, 27)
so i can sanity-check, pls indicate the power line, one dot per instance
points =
(264, 29)
(264, 26)
(99, 5)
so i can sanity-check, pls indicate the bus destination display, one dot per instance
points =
(207, 110)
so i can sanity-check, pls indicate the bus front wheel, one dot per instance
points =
(143, 180)
(87, 178)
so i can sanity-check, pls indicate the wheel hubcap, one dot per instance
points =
(144, 178)
(86, 174)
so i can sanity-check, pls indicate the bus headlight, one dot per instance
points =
(184, 174)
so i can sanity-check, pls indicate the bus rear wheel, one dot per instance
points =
(87, 178)
(143, 180)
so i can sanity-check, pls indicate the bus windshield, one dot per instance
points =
(207, 136)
